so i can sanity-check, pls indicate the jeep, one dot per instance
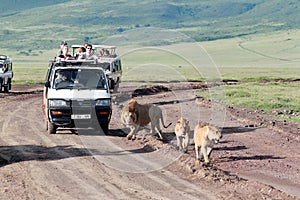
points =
(107, 58)
(6, 73)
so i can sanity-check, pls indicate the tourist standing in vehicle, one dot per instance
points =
(62, 44)
(90, 53)
(80, 53)
(85, 44)
(65, 54)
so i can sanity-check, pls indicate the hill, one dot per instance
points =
(31, 26)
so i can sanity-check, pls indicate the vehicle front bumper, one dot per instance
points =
(85, 114)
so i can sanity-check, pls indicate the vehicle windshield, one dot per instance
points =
(105, 65)
(79, 79)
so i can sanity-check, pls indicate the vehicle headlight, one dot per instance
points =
(103, 102)
(57, 103)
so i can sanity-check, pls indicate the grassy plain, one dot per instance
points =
(261, 57)
(268, 67)
(257, 61)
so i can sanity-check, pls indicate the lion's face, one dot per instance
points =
(129, 118)
(182, 126)
(214, 134)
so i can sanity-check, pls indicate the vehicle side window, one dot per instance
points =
(118, 65)
(5, 67)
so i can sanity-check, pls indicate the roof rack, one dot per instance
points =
(107, 50)
(3, 57)
(65, 63)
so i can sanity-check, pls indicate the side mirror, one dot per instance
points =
(47, 84)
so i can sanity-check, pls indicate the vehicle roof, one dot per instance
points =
(104, 46)
(96, 46)
(77, 64)
(4, 58)
(77, 46)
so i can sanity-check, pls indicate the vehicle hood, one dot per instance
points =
(77, 94)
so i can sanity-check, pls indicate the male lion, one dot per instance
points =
(135, 115)
(205, 137)
(182, 131)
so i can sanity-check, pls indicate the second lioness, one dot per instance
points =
(205, 137)
(135, 115)
(182, 131)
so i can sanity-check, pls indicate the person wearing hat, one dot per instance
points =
(62, 44)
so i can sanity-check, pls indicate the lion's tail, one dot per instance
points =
(162, 122)
(168, 125)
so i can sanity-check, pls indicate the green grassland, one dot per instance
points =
(263, 57)
(258, 65)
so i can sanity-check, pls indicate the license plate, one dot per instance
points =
(87, 116)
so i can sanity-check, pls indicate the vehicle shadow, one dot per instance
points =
(20, 153)
(92, 132)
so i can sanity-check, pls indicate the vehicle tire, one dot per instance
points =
(6, 89)
(104, 128)
(111, 84)
(51, 128)
(0, 84)
(45, 125)
(7, 86)
(116, 87)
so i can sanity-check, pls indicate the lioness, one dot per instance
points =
(205, 137)
(135, 115)
(182, 131)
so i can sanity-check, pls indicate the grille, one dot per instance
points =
(84, 103)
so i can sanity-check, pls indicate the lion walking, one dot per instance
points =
(182, 132)
(205, 137)
(135, 115)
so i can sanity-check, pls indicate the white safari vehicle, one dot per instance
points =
(108, 59)
(76, 95)
(6, 73)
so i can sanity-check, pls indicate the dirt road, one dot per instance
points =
(253, 160)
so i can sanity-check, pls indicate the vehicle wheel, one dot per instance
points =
(45, 125)
(104, 128)
(6, 89)
(111, 84)
(51, 128)
(0, 84)
(8, 86)
(116, 87)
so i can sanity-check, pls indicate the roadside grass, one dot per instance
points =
(34, 74)
(278, 97)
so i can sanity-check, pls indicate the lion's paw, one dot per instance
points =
(129, 136)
